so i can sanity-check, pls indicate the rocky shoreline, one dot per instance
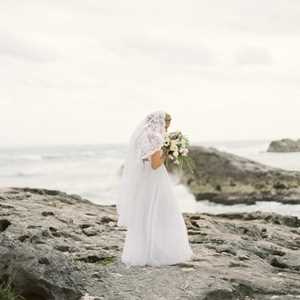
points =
(229, 179)
(284, 146)
(62, 247)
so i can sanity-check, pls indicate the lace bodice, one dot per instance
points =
(152, 137)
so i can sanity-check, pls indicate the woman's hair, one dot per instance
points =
(167, 116)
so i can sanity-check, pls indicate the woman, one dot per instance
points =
(146, 203)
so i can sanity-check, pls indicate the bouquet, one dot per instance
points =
(176, 145)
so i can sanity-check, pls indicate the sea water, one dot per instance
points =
(92, 171)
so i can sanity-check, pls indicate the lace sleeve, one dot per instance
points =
(150, 143)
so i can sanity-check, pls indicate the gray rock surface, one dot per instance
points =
(229, 179)
(284, 145)
(60, 246)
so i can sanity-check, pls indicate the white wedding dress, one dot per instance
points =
(146, 203)
(158, 234)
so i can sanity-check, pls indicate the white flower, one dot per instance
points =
(185, 152)
(176, 143)
(173, 146)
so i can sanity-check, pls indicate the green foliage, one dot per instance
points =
(184, 161)
(7, 292)
(107, 260)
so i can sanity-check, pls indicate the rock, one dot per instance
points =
(95, 258)
(36, 275)
(47, 213)
(23, 237)
(276, 262)
(226, 248)
(239, 255)
(284, 145)
(44, 261)
(107, 219)
(273, 218)
(90, 231)
(229, 179)
(4, 223)
(63, 248)
(280, 185)
(83, 226)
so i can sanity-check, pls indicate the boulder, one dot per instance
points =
(226, 178)
(50, 256)
(284, 145)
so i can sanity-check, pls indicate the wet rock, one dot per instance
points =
(76, 253)
(44, 261)
(47, 213)
(34, 275)
(284, 145)
(4, 223)
(229, 179)
(23, 237)
(90, 231)
(226, 248)
(63, 248)
(107, 219)
(277, 262)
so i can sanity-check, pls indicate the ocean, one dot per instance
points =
(92, 171)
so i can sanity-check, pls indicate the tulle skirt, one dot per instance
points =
(157, 234)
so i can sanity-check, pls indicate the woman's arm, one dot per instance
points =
(158, 158)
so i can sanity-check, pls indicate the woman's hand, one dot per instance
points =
(158, 158)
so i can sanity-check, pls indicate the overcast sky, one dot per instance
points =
(87, 71)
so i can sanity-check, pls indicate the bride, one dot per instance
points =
(146, 203)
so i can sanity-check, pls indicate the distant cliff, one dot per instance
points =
(284, 145)
(229, 179)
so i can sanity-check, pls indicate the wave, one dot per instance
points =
(29, 157)
(26, 174)
(78, 155)
(40, 157)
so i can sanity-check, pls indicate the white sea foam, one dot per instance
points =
(92, 172)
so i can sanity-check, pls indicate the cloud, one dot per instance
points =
(268, 17)
(166, 51)
(253, 55)
(26, 49)
(87, 65)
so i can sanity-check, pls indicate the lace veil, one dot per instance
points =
(147, 138)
